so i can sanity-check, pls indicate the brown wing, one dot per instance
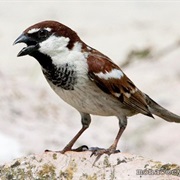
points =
(121, 88)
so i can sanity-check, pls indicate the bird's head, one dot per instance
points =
(48, 38)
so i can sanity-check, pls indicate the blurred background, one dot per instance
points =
(142, 37)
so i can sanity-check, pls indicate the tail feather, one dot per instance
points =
(158, 110)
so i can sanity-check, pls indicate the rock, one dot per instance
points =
(80, 166)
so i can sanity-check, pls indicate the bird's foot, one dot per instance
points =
(79, 149)
(100, 151)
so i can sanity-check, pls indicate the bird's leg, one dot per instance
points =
(112, 148)
(85, 120)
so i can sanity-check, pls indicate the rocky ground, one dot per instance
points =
(78, 165)
(33, 118)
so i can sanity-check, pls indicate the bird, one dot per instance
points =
(86, 79)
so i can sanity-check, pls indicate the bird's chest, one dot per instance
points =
(64, 76)
(88, 98)
(72, 84)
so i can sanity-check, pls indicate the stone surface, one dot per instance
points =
(33, 118)
(80, 166)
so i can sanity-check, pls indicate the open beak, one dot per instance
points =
(32, 45)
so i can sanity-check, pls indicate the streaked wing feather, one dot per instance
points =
(121, 88)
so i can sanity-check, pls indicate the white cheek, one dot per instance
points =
(56, 48)
(115, 73)
(54, 45)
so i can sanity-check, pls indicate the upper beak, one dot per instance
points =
(21, 39)
(32, 45)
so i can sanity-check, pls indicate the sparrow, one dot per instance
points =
(86, 79)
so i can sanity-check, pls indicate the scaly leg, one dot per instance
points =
(85, 120)
(112, 148)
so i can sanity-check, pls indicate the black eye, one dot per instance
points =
(43, 34)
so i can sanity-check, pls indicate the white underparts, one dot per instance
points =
(114, 73)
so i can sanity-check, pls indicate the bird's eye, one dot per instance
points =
(43, 33)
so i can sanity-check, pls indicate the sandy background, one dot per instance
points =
(33, 118)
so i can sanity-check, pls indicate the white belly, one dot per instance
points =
(88, 98)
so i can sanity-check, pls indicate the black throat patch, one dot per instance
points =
(63, 76)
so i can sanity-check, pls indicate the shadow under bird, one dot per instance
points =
(86, 79)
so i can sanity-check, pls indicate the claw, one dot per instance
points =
(47, 150)
(79, 149)
(95, 150)
(98, 152)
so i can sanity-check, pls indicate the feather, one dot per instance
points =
(110, 79)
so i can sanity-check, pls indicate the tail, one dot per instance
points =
(161, 112)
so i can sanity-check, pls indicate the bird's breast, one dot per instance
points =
(88, 98)
(63, 76)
